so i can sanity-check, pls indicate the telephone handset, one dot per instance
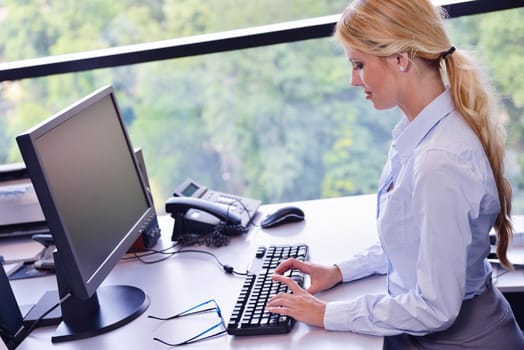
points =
(185, 204)
(206, 216)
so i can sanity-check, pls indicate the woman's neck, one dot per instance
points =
(420, 88)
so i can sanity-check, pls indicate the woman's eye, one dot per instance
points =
(357, 66)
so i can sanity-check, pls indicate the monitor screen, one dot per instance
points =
(89, 186)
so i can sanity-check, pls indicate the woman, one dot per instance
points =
(441, 191)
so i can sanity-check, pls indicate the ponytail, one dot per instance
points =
(473, 101)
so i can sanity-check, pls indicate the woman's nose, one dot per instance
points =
(355, 79)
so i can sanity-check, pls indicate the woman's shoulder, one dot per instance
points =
(451, 141)
(452, 134)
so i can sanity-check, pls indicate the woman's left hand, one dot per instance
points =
(300, 305)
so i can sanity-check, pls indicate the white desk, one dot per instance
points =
(334, 228)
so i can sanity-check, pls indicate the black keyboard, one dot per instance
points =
(249, 316)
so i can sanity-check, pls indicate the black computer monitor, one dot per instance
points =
(96, 205)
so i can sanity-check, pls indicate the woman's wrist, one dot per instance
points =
(337, 275)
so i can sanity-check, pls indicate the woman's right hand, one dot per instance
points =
(322, 277)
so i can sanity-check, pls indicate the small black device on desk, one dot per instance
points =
(283, 216)
(199, 210)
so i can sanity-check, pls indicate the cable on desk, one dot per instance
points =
(9, 340)
(226, 268)
(150, 252)
(12, 341)
(39, 319)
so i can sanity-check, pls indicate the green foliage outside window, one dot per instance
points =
(279, 123)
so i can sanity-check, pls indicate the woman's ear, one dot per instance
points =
(402, 61)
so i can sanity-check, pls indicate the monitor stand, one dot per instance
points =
(109, 308)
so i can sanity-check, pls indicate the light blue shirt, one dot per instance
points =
(436, 204)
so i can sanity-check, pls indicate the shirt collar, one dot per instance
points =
(407, 135)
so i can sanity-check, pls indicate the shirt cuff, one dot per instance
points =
(336, 316)
(369, 262)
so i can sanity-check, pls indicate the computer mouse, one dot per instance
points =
(283, 216)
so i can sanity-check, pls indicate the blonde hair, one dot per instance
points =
(384, 28)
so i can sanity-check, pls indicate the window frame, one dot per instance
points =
(286, 32)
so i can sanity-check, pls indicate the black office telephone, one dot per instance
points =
(204, 216)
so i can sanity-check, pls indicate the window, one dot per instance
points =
(277, 123)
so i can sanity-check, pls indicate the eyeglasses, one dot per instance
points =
(220, 327)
